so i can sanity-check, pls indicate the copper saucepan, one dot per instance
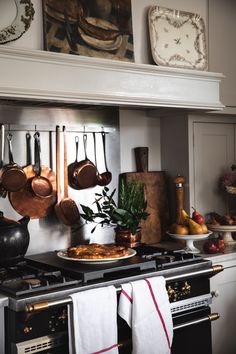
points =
(40, 184)
(66, 209)
(72, 166)
(12, 176)
(84, 172)
(104, 178)
(25, 201)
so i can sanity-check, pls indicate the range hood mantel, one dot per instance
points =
(36, 75)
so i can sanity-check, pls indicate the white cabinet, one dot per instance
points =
(223, 330)
(222, 50)
(201, 148)
(213, 154)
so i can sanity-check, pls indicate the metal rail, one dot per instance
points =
(67, 301)
(211, 317)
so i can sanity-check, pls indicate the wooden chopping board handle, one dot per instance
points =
(179, 188)
(141, 159)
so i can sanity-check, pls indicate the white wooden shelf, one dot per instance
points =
(55, 77)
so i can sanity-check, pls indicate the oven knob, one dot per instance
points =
(27, 330)
(171, 293)
(186, 288)
(63, 317)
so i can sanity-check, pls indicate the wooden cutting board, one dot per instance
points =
(154, 228)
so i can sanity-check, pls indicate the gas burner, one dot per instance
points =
(33, 283)
(22, 279)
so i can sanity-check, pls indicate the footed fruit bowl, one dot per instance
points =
(189, 239)
(226, 231)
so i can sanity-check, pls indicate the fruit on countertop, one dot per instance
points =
(183, 217)
(217, 219)
(204, 228)
(186, 225)
(194, 227)
(179, 229)
(196, 216)
(214, 245)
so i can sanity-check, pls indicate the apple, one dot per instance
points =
(214, 245)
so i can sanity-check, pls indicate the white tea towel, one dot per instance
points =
(144, 305)
(93, 322)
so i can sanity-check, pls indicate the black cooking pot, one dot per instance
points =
(14, 240)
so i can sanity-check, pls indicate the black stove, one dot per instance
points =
(46, 272)
(39, 290)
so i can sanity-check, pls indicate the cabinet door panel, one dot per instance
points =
(223, 330)
(213, 154)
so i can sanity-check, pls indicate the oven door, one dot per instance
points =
(192, 333)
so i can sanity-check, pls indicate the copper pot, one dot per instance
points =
(12, 176)
(25, 201)
(84, 172)
(126, 238)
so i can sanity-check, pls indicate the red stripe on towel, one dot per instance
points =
(106, 349)
(126, 295)
(158, 311)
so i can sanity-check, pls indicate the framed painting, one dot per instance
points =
(94, 28)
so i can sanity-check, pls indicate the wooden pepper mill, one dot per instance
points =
(179, 189)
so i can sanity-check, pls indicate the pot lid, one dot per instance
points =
(7, 222)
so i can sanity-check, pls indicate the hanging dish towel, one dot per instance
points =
(144, 305)
(92, 322)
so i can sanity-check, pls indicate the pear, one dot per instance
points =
(183, 217)
(179, 229)
(204, 229)
(194, 227)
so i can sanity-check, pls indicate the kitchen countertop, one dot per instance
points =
(228, 255)
(3, 300)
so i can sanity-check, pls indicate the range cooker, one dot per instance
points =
(39, 287)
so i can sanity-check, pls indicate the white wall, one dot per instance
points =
(137, 130)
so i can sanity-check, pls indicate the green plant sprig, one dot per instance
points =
(128, 214)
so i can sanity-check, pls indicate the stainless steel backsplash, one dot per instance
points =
(48, 234)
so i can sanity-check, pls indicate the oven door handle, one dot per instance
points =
(210, 317)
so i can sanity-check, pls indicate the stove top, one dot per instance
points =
(23, 279)
(46, 272)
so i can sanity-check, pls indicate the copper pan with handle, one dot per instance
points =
(12, 176)
(84, 173)
(104, 178)
(41, 185)
(25, 201)
(66, 209)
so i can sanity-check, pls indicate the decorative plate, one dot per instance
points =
(63, 254)
(178, 38)
(21, 23)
